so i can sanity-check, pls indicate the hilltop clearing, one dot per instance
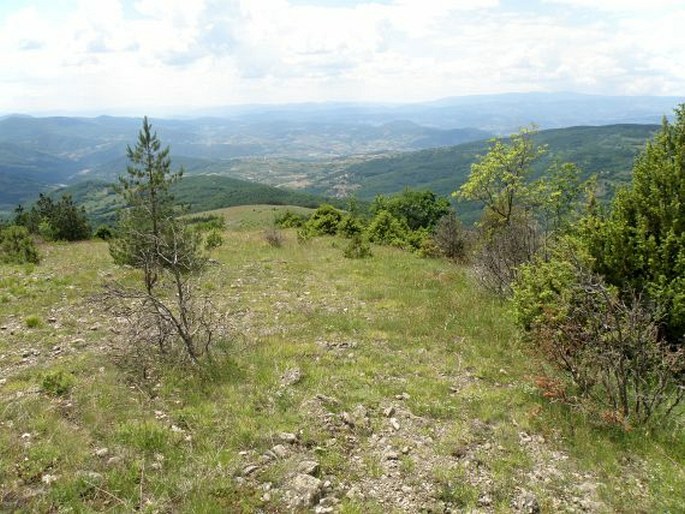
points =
(388, 384)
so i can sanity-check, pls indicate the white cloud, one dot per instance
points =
(141, 54)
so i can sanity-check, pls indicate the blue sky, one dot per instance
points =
(171, 56)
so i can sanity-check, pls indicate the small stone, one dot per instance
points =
(391, 455)
(248, 470)
(287, 437)
(113, 461)
(280, 451)
(304, 491)
(25, 436)
(266, 497)
(405, 450)
(347, 419)
(48, 479)
(91, 477)
(354, 493)
(94, 327)
(485, 500)
(101, 452)
(403, 396)
(322, 510)
(243, 453)
(394, 423)
(406, 489)
(527, 503)
(389, 412)
(309, 467)
(291, 377)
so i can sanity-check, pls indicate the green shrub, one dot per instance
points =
(358, 248)
(289, 219)
(57, 383)
(609, 348)
(386, 229)
(418, 209)
(324, 221)
(17, 246)
(33, 321)
(350, 226)
(104, 232)
(206, 222)
(640, 245)
(213, 240)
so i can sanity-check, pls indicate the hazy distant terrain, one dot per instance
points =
(329, 148)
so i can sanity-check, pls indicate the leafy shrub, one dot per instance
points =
(610, 349)
(358, 248)
(350, 226)
(206, 222)
(324, 221)
(104, 232)
(386, 229)
(57, 383)
(418, 209)
(450, 237)
(213, 240)
(60, 220)
(17, 247)
(289, 219)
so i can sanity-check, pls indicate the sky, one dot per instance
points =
(172, 56)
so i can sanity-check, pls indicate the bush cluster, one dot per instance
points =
(59, 220)
(17, 246)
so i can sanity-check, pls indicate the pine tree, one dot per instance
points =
(149, 214)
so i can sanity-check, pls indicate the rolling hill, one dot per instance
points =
(199, 193)
(607, 151)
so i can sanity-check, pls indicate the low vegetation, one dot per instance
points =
(271, 374)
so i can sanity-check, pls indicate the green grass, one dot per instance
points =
(82, 429)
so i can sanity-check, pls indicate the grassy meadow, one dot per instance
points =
(403, 385)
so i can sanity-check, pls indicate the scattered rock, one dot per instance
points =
(248, 470)
(291, 377)
(48, 479)
(526, 503)
(309, 467)
(101, 452)
(391, 455)
(347, 419)
(403, 396)
(113, 461)
(91, 477)
(303, 491)
(280, 451)
(484, 500)
(394, 423)
(389, 412)
(287, 437)
(354, 493)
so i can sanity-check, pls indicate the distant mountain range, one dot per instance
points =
(325, 148)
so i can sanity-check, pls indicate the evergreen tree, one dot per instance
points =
(149, 214)
(641, 243)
